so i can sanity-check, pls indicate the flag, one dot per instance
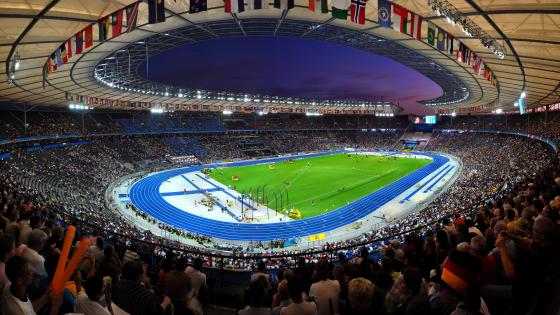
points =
(89, 36)
(431, 34)
(384, 13)
(117, 23)
(450, 44)
(466, 53)
(477, 65)
(59, 57)
(156, 11)
(318, 6)
(131, 16)
(49, 65)
(63, 53)
(441, 37)
(54, 64)
(415, 27)
(400, 19)
(69, 47)
(103, 28)
(284, 4)
(234, 6)
(198, 6)
(78, 42)
(340, 9)
(358, 11)
(459, 52)
(258, 4)
(44, 75)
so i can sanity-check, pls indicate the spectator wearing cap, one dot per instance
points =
(459, 274)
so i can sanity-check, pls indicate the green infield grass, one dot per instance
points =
(319, 184)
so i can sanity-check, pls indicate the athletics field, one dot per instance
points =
(316, 185)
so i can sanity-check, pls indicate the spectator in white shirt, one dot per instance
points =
(198, 278)
(326, 291)
(15, 300)
(30, 253)
(261, 272)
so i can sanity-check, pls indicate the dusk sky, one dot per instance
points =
(296, 67)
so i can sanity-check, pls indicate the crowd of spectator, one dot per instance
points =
(498, 257)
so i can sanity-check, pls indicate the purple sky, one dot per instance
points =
(298, 67)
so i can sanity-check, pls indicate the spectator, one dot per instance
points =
(15, 300)
(325, 292)
(360, 297)
(460, 272)
(198, 278)
(299, 306)
(7, 251)
(88, 302)
(179, 289)
(281, 298)
(30, 252)
(133, 297)
(261, 272)
(256, 299)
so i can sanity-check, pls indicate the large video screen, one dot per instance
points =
(430, 120)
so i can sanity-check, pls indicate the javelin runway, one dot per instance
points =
(146, 196)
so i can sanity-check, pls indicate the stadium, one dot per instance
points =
(285, 157)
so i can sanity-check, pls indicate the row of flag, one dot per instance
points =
(407, 22)
(390, 16)
(111, 26)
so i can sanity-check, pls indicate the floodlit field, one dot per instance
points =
(316, 185)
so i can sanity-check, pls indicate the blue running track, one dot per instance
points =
(145, 195)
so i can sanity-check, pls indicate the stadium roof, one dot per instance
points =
(30, 31)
